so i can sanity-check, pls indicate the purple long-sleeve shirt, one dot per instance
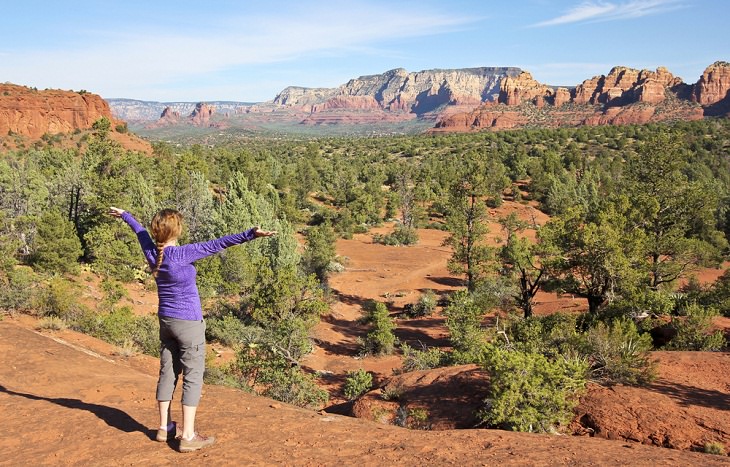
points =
(177, 290)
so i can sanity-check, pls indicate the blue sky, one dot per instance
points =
(188, 50)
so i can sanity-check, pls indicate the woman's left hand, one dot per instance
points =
(257, 232)
(115, 212)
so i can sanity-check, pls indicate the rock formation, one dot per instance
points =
(201, 115)
(522, 88)
(400, 91)
(170, 116)
(28, 112)
(562, 96)
(713, 90)
(469, 99)
(623, 96)
(625, 85)
(347, 102)
(713, 85)
(142, 113)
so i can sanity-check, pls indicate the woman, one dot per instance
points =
(182, 329)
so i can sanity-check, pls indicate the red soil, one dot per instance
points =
(68, 401)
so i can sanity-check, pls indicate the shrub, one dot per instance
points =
(117, 325)
(267, 371)
(113, 291)
(102, 125)
(127, 349)
(551, 335)
(115, 251)
(58, 297)
(114, 327)
(296, 387)
(717, 295)
(464, 321)
(120, 326)
(16, 288)
(360, 229)
(539, 399)
(640, 302)
(392, 393)
(320, 251)
(357, 383)
(491, 292)
(228, 330)
(418, 419)
(425, 305)
(415, 419)
(224, 375)
(263, 366)
(436, 226)
(714, 448)
(51, 323)
(380, 340)
(693, 331)
(426, 359)
(146, 334)
(618, 354)
(401, 236)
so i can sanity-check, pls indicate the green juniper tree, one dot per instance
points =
(467, 223)
(57, 248)
(319, 251)
(676, 214)
(518, 255)
(594, 256)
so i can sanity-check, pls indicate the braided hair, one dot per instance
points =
(166, 226)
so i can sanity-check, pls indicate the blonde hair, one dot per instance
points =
(166, 225)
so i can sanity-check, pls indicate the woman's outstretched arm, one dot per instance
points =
(195, 251)
(145, 240)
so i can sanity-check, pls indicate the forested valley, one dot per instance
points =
(634, 212)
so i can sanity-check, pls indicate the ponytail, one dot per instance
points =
(158, 261)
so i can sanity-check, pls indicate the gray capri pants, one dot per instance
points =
(182, 350)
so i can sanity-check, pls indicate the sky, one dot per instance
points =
(248, 51)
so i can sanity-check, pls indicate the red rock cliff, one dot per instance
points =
(28, 112)
(201, 115)
(522, 88)
(713, 85)
(623, 96)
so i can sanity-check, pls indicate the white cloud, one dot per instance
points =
(593, 11)
(115, 62)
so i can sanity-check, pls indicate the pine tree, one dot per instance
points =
(57, 248)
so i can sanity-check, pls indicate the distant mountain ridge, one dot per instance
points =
(466, 99)
(461, 99)
(402, 94)
(399, 90)
(139, 111)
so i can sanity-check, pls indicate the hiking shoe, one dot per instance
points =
(164, 436)
(199, 441)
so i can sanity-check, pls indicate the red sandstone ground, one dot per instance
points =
(68, 399)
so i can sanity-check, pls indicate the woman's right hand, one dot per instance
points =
(116, 212)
